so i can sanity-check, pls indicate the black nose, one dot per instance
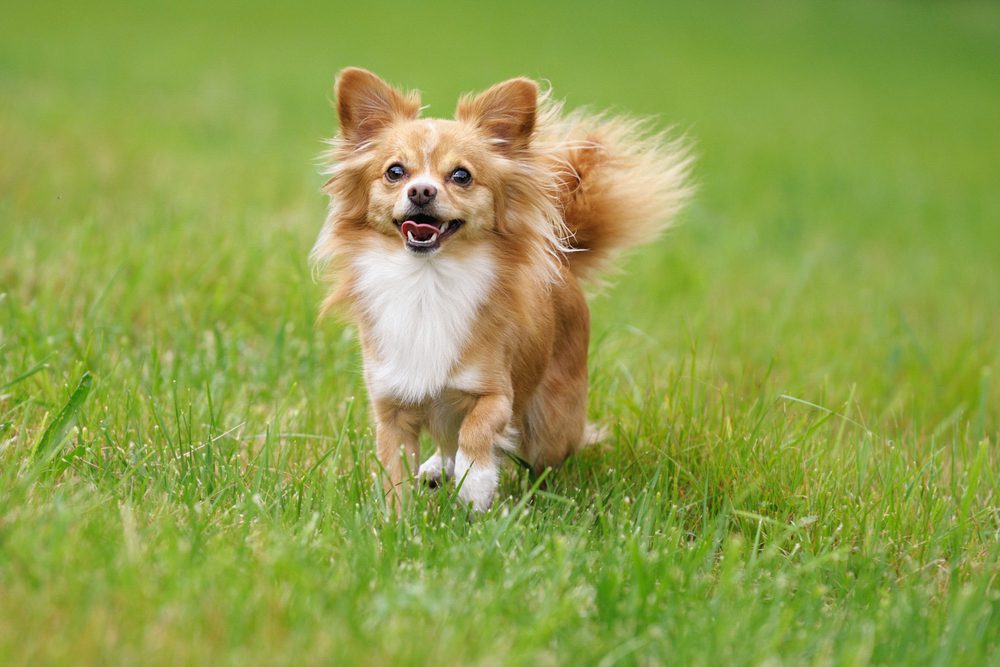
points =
(422, 194)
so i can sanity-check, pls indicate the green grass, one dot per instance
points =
(801, 380)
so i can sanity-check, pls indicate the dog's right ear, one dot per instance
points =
(506, 112)
(366, 104)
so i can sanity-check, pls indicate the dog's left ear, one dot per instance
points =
(366, 104)
(506, 112)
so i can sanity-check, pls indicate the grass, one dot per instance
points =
(799, 381)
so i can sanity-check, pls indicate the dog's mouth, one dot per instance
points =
(424, 233)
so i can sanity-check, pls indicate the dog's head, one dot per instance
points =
(431, 185)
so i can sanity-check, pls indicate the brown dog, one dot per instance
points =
(456, 246)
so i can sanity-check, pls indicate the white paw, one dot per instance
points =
(433, 469)
(477, 482)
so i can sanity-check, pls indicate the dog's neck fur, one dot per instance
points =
(419, 311)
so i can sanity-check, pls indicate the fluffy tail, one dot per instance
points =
(618, 184)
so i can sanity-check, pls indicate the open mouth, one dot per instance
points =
(424, 233)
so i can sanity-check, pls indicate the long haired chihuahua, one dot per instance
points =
(457, 248)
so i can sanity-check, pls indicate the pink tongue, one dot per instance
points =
(420, 232)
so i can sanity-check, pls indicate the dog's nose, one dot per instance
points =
(422, 194)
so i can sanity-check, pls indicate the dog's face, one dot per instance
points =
(433, 181)
(430, 184)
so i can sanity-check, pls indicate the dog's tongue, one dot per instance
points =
(421, 233)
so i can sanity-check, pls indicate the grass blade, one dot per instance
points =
(37, 368)
(57, 431)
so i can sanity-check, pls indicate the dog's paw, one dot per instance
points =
(434, 470)
(477, 482)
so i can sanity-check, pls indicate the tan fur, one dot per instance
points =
(619, 185)
(553, 197)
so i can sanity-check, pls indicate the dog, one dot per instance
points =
(458, 247)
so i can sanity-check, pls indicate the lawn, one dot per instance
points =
(800, 380)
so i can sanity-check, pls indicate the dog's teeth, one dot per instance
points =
(431, 241)
(444, 227)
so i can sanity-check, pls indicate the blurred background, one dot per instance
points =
(799, 379)
(160, 182)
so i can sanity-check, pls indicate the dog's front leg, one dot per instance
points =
(475, 463)
(397, 435)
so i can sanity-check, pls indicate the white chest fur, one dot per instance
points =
(421, 311)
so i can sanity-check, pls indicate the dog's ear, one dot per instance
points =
(506, 112)
(366, 104)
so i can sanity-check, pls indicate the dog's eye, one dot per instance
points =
(395, 173)
(461, 176)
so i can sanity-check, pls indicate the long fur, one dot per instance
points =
(602, 184)
(618, 183)
(482, 340)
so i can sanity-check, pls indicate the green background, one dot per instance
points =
(799, 379)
